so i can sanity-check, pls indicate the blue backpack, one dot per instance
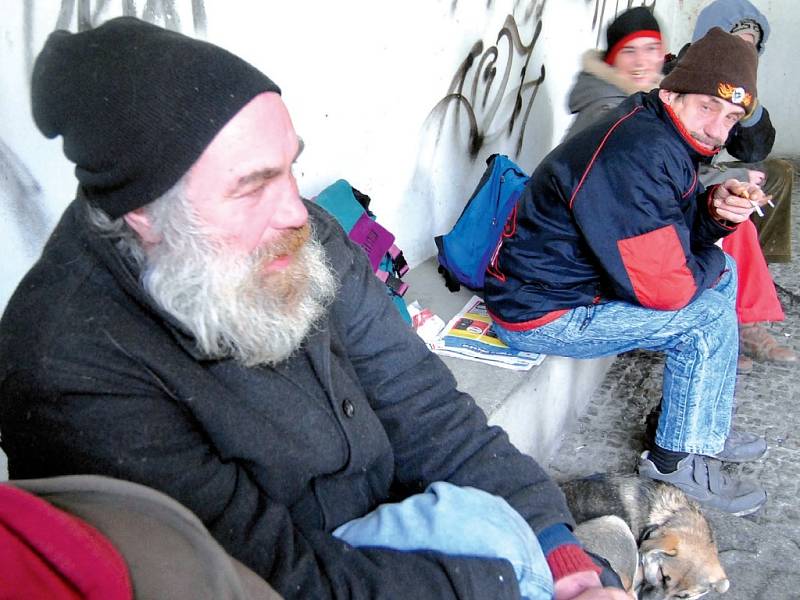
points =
(351, 209)
(465, 252)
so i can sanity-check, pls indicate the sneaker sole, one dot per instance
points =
(750, 511)
(742, 460)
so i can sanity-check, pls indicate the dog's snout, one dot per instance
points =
(721, 586)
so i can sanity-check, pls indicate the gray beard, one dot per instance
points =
(232, 307)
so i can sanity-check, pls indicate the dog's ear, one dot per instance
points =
(653, 551)
(659, 541)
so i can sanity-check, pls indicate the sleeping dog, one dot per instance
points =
(677, 555)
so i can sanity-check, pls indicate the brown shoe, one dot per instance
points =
(744, 365)
(758, 343)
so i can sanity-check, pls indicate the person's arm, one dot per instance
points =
(591, 114)
(631, 210)
(439, 433)
(122, 424)
(752, 138)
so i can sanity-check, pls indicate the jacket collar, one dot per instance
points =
(126, 274)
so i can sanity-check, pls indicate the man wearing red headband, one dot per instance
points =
(632, 63)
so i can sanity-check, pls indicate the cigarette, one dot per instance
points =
(757, 207)
(770, 203)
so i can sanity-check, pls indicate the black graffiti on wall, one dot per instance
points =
(80, 15)
(486, 80)
(529, 7)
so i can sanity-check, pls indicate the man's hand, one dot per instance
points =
(603, 594)
(735, 201)
(585, 585)
(756, 177)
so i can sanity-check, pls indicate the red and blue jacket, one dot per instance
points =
(614, 213)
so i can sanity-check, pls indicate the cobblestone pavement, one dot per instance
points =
(761, 553)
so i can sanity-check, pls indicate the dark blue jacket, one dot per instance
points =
(615, 212)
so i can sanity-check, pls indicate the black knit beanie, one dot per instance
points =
(718, 64)
(136, 105)
(631, 24)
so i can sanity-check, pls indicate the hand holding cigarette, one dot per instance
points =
(743, 193)
(735, 200)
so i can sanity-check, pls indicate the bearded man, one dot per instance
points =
(195, 326)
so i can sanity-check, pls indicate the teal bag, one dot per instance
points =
(351, 209)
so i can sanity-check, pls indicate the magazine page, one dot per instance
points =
(470, 335)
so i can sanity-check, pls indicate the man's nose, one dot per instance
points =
(290, 212)
(718, 130)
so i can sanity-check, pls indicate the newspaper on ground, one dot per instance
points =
(470, 335)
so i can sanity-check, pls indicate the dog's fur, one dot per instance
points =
(677, 552)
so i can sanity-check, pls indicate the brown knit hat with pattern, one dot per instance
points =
(718, 64)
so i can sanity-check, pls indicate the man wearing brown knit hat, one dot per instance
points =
(613, 249)
(767, 237)
(194, 325)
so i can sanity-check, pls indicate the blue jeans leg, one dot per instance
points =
(461, 521)
(701, 344)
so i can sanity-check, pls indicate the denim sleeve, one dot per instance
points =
(457, 521)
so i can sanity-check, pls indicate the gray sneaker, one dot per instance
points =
(742, 446)
(700, 478)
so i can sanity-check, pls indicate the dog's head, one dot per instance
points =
(680, 561)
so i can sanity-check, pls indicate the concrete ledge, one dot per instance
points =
(534, 407)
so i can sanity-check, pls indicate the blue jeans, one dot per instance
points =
(701, 343)
(461, 521)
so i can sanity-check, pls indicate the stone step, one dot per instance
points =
(533, 406)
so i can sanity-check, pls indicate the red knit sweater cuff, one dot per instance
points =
(570, 558)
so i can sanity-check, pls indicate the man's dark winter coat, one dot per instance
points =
(95, 379)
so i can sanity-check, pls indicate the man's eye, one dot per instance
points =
(250, 191)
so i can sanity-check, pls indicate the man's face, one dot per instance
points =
(747, 37)
(230, 251)
(640, 61)
(242, 187)
(707, 119)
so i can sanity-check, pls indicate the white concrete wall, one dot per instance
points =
(362, 79)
